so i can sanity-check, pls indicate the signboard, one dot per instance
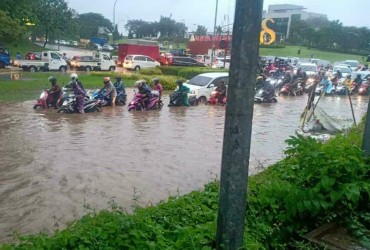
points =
(267, 35)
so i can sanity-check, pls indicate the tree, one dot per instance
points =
(10, 29)
(90, 23)
(201, 30)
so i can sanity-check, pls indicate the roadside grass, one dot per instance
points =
(292, 51)
(22, 45)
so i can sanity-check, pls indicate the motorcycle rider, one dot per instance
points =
(144, 91)
(157, 86)
(183, 90)
(118, 84)
(74, 79)
(339, 74)
(357, 82)
(55, 91)
(348, 82)
(222, 89)
(80, 96)
(109, 90)
(261, 84)
(328, 85)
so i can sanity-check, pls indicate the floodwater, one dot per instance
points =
(52, 165)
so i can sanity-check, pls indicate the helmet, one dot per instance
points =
(259, 78)
(118, 78)
(74, 76)
(52, 79)
(106, 79)
(338, 71)
(288, 72)
(349, 76)
(155, 80)
(179, 82)
(138, 83)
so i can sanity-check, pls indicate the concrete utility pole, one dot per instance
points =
(214, 35)
(238, 124)
(114, 20)
(366, 139)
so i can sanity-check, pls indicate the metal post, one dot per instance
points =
(114, 20)
(366, 138)
(238, 124)
(214, 35)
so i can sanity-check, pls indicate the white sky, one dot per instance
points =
(202, 12)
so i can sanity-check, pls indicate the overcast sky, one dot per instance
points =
(202, 12)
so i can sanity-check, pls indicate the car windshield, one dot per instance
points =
(199, 80)
(342, 69)
(352, 64)
(308, 68)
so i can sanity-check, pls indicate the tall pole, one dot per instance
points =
(238, 124)
(366, 139)
(114, 20)
(214, 35)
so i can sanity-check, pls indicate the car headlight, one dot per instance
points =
(193, 92)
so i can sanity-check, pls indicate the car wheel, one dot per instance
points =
(2, 65)
(202, 99)
(62, 69)
(112, 69)
(87, 69)
(137, 68)
(32, 69)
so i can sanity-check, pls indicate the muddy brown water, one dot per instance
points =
(51, 164)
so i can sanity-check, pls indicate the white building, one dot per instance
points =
(282, 14)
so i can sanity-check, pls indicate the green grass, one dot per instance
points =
(306, 53)
(22, 45)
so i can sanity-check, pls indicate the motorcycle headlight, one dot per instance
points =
(42, 95)
(192, 92)
(361, 89)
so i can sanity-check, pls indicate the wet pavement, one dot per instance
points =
(51, 164)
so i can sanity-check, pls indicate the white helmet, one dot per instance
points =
(138, 84)
(74, 76)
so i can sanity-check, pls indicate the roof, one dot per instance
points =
(214, 74)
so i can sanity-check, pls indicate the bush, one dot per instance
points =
(190, 72)
(151, 71)
(170, 70)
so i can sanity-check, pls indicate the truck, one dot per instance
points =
(4, 58)
(99, 61)
(139, 47)
(50, 60)
(98, 40)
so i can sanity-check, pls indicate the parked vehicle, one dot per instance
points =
(50, 60)
(151, 50)
(214, 99)
(69, 105)
(135, 104)
(176, 100)
(352, 63)
(137, 62)
(185, 61)
(221, 63)
(99, 61)
(202, 85)
(107, 47)
(4, 58)
(343, 69)
(309, 68)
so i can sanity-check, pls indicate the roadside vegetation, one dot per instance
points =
(315, 184)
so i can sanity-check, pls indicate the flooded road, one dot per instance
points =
(51, 164)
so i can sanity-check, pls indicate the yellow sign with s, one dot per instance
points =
(267, 35)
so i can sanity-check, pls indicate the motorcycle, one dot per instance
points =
(215, 98)
(46, 99)
(287, 90)
(177, 101)
(69, 105)
(154, 103)
(364, 89)
(264, 96)
(107, 100)
(277, 82)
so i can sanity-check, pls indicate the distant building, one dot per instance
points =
(282, 15)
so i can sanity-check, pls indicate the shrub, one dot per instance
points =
(151, 71)
(170, 70)
(190, 72)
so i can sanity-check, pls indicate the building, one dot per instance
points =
(282, 16)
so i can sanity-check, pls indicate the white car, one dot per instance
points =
(137, 62)
(343, 69)
(107, 47)
(309, 68)
(201, 86)
(353, 63)
(221, 62)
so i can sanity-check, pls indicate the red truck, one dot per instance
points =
(141, 49)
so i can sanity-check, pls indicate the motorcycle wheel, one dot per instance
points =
(63, 111)
(273, 100)
(121, 100)
(131, 108)
(37, 106)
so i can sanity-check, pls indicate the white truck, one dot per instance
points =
(50, 60)
(99, 61)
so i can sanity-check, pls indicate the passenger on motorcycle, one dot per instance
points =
(118, 84)
(184, 92)
(261, 84)
(55, 91)
(339, 74)
(157, 86)
(109, 90)
(145, 92)
(80, 95)
(358, 82)
(221, 88)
